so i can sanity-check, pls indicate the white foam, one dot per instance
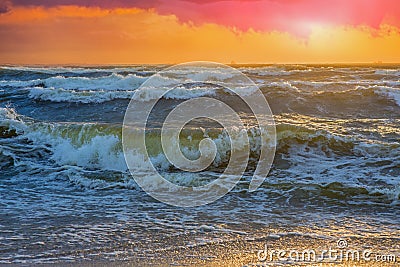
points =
(201, 74)
(62, 95)
(146, 94)
(15, 83)
(266, 71)
(390, 92)
(282, 85)
(102, 151)
(111, 82)
(392, 72)
(10, 119)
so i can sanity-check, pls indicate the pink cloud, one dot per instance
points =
(293, 16)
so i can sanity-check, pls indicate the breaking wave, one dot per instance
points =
(85, 149)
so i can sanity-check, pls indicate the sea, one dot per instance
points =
(67, 195)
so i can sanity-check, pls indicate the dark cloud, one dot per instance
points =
(109, 3)
(88, 3)
(5, 6)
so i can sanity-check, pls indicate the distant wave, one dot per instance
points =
(122, 82)
(62, 95)
(111, 82)
(388, 72)
(79, 70)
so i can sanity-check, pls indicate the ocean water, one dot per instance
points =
(67, 195)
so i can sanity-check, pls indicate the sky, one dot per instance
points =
(175, 31)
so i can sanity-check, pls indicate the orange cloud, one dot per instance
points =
(34, 14)
(262, 15)
(92, 35)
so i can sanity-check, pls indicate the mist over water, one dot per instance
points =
(67, 195)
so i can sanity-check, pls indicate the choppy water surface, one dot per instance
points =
(66, 194)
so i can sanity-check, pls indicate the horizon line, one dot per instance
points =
(232, 63)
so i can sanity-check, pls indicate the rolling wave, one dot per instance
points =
(87, 148)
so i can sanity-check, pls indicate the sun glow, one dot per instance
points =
(77, 34)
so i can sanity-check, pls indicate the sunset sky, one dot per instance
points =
(172, 31)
